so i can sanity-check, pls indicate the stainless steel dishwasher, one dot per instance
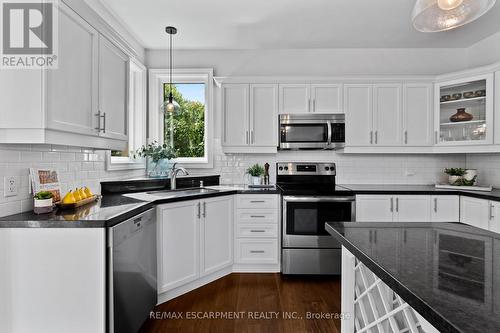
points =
(132, 289)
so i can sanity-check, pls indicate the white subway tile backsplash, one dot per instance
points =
(488, 168)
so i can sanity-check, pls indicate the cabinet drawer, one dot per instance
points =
(252, 251)
(268, 216)
(257, 230)
(257, 201)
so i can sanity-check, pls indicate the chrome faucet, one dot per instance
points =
(173, 175)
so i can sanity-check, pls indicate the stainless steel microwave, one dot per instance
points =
(311, 131)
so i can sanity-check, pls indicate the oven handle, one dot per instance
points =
(318, 199)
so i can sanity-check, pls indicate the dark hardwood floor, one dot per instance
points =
(254, 297)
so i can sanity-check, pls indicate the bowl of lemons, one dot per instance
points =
(77, 198)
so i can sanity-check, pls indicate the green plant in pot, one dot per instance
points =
(256, 171)
(158, 157)
(43, 202)
(455, 175)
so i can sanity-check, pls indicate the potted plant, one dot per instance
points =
(158, 157)
(256, 171)
(455, 175)
(43, 202)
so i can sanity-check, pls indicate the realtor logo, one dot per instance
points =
(29, 34)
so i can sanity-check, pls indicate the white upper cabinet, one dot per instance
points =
(250, 118)
(294, 98)
(235, 113)
(358, 105)
(387, 114)
(417, 114)
(464, 111)
(497, 108)
(304, 98)
(264, 115)
(326, 98)
(113, 90)
(72, 88)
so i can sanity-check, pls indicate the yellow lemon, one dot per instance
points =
(82, 194)
(88, 192)
(77, 195)
(69, 198)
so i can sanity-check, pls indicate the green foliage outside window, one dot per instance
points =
(188, 127)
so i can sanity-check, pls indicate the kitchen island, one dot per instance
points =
(431, 277)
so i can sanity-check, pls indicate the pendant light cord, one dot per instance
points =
(170, 93)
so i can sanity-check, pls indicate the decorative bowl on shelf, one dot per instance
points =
(469, 94)
(460, 116)
(456, 96)
(480, 93)
(445, 98)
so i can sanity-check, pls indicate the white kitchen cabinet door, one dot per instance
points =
(216, 234)
(417, 114)
(474, 212)
(387, 114)
(358, 105)
(445, 208)
(264, 115)
(326, 98)
(294, 98)
(412, 208)
(235, 104)
(71, 89)
(178, 244)
(374, 208)
(113, 90)
(494, 212)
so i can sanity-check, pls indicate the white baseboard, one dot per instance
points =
(256, 268)
(171, 294)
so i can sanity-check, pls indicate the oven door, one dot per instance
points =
(305, 135)
(304, 220)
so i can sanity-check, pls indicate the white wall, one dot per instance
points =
(315, 61)
(484, 52)
(77, 167)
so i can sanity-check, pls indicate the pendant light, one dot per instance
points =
(442, 15)
(171, 105)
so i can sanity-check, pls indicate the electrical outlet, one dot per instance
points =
(9, 186)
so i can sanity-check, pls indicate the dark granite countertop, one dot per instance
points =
(419, 189)
(111, 209)
(448, 272)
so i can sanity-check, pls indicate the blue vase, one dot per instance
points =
(158, 169)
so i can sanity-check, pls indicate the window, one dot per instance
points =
(188, 130)
(121, 160)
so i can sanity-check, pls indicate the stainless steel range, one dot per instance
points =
(310, 199)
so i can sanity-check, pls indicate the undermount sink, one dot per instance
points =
(181, 192)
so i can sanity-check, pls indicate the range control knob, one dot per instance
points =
(280, 168)
(286, 168)
(327, 168)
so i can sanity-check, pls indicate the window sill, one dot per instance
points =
(123, 163)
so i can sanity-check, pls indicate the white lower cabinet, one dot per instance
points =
(257, 233)
(407, 208)
(194, 240)
(474, 212)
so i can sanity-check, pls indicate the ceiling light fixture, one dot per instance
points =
(442, 15)
(171, 105)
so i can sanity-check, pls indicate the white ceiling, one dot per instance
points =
(284, 24)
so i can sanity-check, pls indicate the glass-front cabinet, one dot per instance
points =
(464, 111)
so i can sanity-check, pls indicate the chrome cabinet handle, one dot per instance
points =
(406, 137)
(371, 137)
(314, 105)
(104, 122)
(99, 116)
(435, 205)
(436, 137)
(397, 205)
(491, 212)
(309, 105)
(257, 231)
(376, 137)
(204, 209)
(246, 138)
(199, 211)
(257, 251)
(392, 205)
(257, 216)
(252, 137)
(257, 201)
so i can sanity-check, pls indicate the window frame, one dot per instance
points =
(137, 120)
(157, 78)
